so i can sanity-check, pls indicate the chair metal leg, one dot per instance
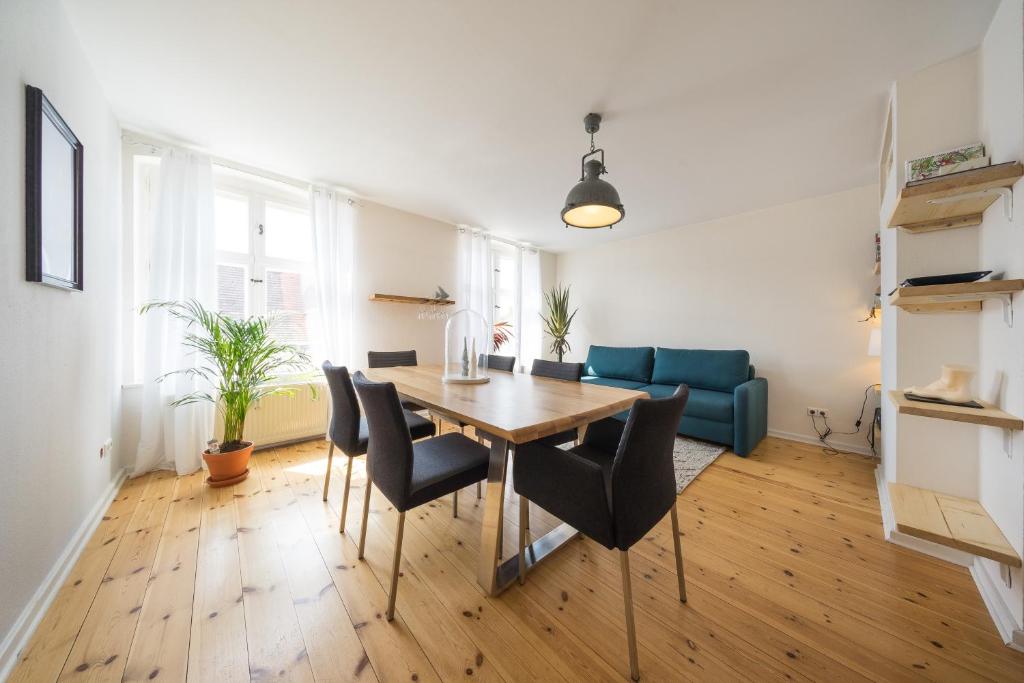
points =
(344, 496)
(479, 491)
(524, 523)
(366, 515)
(395, 566)
(327, 477)
(455, 504)
(679, 554)
(627, 596)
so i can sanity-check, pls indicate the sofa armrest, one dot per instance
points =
(750, 415)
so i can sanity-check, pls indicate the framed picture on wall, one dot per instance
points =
(53, 196)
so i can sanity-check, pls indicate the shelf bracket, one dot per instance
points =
(1007, 301)
(1004, 192)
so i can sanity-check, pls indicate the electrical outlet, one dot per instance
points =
(817, 412)
(105, 448)
(812, 411)
(823, 412)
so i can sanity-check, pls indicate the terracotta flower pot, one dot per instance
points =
(228, 467)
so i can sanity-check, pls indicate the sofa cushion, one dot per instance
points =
(620, 362)
(703, 404)
(701, 369)
(612, 382)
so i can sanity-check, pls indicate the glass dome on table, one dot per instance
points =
(467, 341)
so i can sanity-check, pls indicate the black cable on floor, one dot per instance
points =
(823, 435)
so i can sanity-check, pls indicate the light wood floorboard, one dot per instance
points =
(788, 578)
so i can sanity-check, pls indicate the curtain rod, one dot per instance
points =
(158, 143)
(496, 238)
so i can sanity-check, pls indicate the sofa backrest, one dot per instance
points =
(702, 369)
(620, 362)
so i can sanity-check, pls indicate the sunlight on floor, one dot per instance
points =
(316, 468)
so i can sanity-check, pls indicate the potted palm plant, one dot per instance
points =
(241, 360)
(558, 320)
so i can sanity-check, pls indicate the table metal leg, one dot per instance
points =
(494, 574)
(490, 530)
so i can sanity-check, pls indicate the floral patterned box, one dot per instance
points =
(953, 161)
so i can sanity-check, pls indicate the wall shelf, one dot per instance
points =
(878, 268)
(917, 209)
(964, 296)
(955, 522)
(987, 415)
(400, 299)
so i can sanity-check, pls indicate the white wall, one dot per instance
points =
(788, 284)
(60, 371)
(1001, 476)
(935, 109)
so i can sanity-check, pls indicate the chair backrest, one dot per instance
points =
(344, 428)
(503, 363)
(571, 372)
(643, 481)
(390, 359)
(389, 456)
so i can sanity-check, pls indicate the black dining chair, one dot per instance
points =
(394, 359)
(500, 363)
(622, 479)
(410, 474)
(349, 431)
(568, 372)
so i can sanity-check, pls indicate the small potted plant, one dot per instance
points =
(558, 319)
(241, 362)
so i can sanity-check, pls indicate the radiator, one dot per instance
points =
(280, 419)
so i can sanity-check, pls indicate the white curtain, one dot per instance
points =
(333, 216)
(530, 334)
(181, 267)
(475, 274)
(474, 285)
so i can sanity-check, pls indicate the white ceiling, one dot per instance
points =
(471, 111)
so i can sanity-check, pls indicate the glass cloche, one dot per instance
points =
(467, 341)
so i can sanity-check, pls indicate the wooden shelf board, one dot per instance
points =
(915, 214)
(964, 296)
(958, 523)
(400, 299)
(987, 415)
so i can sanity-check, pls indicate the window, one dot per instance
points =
(264, 254)
(505, 288)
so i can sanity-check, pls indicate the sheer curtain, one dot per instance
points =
(333, 216)
(530, 339)
(475, 274)
(181, 267)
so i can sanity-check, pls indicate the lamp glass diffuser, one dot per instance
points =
(592, 202)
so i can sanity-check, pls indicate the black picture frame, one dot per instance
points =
(53, 197)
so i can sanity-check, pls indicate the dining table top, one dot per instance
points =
(512, 406)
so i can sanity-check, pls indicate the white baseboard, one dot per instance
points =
(17, 638)
(1000, 612)
(912, 542)
(839, 445)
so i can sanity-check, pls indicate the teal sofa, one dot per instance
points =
(727, 405)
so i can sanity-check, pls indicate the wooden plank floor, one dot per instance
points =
(788, 577)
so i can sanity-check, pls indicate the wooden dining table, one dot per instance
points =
(510, 409)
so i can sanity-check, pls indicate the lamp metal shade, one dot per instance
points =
(592, 202)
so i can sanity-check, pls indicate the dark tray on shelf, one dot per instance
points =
(949, 279)
(941, 401)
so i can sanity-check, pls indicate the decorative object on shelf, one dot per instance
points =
(955, 160)
(441, 294)
(241, 363)
(953, 386)
(558, 320)
(464, 333)
(878, 254)
(53, 196)
(592, 202)
(950, 279)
